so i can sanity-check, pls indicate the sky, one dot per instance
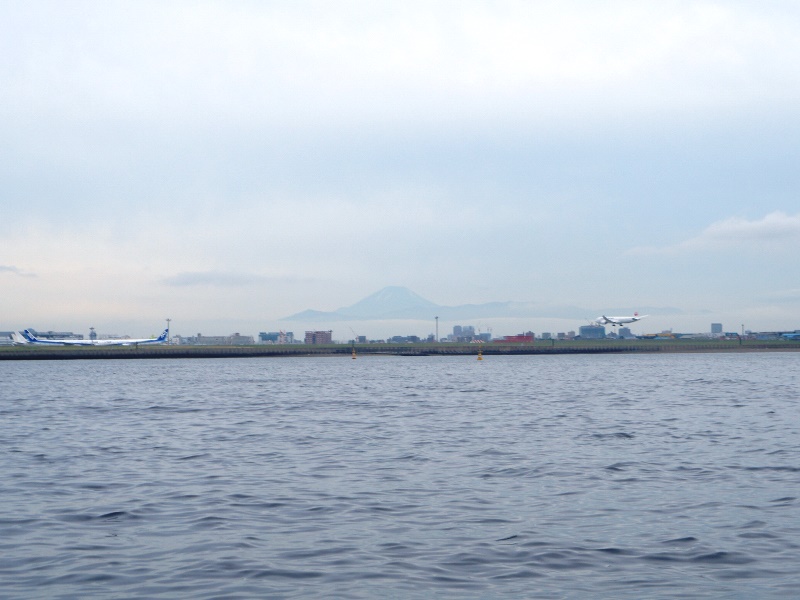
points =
(227, 164)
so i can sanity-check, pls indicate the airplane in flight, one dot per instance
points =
(32, 339)
(614, 321)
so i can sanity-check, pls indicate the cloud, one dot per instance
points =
(736, 232)
(16, 271)
(214, 279)
(774, 226)
(226, 279)
(784, 296)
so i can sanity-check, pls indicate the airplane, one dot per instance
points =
(614, 321)
(32, 339)
(18, 338)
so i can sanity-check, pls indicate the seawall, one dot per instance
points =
(422, 349)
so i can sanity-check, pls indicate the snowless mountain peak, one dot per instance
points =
(390, 300)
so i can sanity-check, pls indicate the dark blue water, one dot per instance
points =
(535, 476)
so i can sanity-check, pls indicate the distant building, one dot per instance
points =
(462, 333)
(319, 337)
(626, 334)
(57, 335)
(404, 339)
(276, 337)
(592, 332)
(520, 338)
(716, 328)
(546, 335)
(206, 340)
(234, 339)
(237, 339)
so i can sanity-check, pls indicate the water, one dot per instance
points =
(529, 476)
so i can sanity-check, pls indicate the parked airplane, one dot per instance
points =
(614, 321)
(32, 339)
(18, 338)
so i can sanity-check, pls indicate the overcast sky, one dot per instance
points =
(226, 164)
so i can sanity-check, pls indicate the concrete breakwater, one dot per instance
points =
(541, 348)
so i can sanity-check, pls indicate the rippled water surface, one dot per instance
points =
(527, 476)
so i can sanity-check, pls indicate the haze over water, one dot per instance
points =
(529, 476)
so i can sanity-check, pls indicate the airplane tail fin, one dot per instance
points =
(29, 336)
(163, 336)
(18, 338)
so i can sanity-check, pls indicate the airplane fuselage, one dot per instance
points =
(32, 339)
(614, 321)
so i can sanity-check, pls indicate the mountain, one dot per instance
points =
(396, 302)
(391, 302)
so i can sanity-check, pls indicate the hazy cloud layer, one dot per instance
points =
(736, 232)
(15, 271)
(787, 295)
(213, 278)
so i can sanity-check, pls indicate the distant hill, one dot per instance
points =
(395, 302)
(391, 302)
